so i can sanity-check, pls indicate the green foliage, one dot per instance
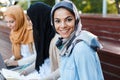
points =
(111, 7)
(23, 4)
(85, 6)
(49, 2)
(89, 6)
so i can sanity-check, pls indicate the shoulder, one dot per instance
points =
(82, 49)
(82, 46)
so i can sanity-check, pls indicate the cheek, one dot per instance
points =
(71, 30)
(72, 26)
(56, 27)
(13, 26)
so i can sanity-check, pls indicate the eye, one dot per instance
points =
(57, 21)
(69, 19)
(12, 21)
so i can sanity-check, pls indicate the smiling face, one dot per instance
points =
(64, 22)
(10, 22)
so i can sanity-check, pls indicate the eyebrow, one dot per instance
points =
(68, 17)
(65, 17)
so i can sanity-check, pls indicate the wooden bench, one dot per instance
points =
(5, 44)
(108, 31)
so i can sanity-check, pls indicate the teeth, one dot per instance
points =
(64, 31)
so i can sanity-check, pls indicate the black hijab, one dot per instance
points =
(43, 32)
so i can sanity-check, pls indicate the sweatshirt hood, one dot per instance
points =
(90, 39)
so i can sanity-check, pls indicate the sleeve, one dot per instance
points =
(28, 60)
(54, 61)
(53, 55)
(87, 62)
(12, 57)
(53, 76)
(30, 68)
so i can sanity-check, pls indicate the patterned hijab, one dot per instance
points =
(22, 34)
(65, 45)
(70, 7)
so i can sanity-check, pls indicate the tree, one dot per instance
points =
(117, 2)
(89, 6)
(49, 2)
(85, 6)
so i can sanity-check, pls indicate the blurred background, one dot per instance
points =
(84, 6)
(101, 17)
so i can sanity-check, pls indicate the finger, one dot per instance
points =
(6, 60)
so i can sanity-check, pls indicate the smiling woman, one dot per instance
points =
(64, 24)
(77, 47)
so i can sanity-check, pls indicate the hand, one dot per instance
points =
(24, 73)
(5, 61)
(11, 63)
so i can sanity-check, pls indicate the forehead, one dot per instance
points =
(7, 18)
(62, 12)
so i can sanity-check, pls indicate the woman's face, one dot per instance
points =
(64, 22)
(10, 22)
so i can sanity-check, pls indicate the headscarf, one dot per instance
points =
(22, 33)
(69, 6)
(43, 32)
(66, 45)
(72, 8)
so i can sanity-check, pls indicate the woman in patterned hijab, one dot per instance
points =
(77, 47)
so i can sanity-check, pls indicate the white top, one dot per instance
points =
(27, 56)
(25, 51)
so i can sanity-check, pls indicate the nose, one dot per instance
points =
(63, 24)
(8, 25)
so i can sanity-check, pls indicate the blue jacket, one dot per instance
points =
(83, 62)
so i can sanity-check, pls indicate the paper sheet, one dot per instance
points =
(13, 75)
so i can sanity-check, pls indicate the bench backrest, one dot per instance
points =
(108, 31)
(106, 28)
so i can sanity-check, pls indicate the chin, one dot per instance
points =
(65, 36)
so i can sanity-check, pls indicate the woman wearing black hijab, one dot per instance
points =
(43, 32)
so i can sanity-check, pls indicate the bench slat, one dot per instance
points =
(108, 31)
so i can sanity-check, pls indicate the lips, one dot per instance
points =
(64, 33)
